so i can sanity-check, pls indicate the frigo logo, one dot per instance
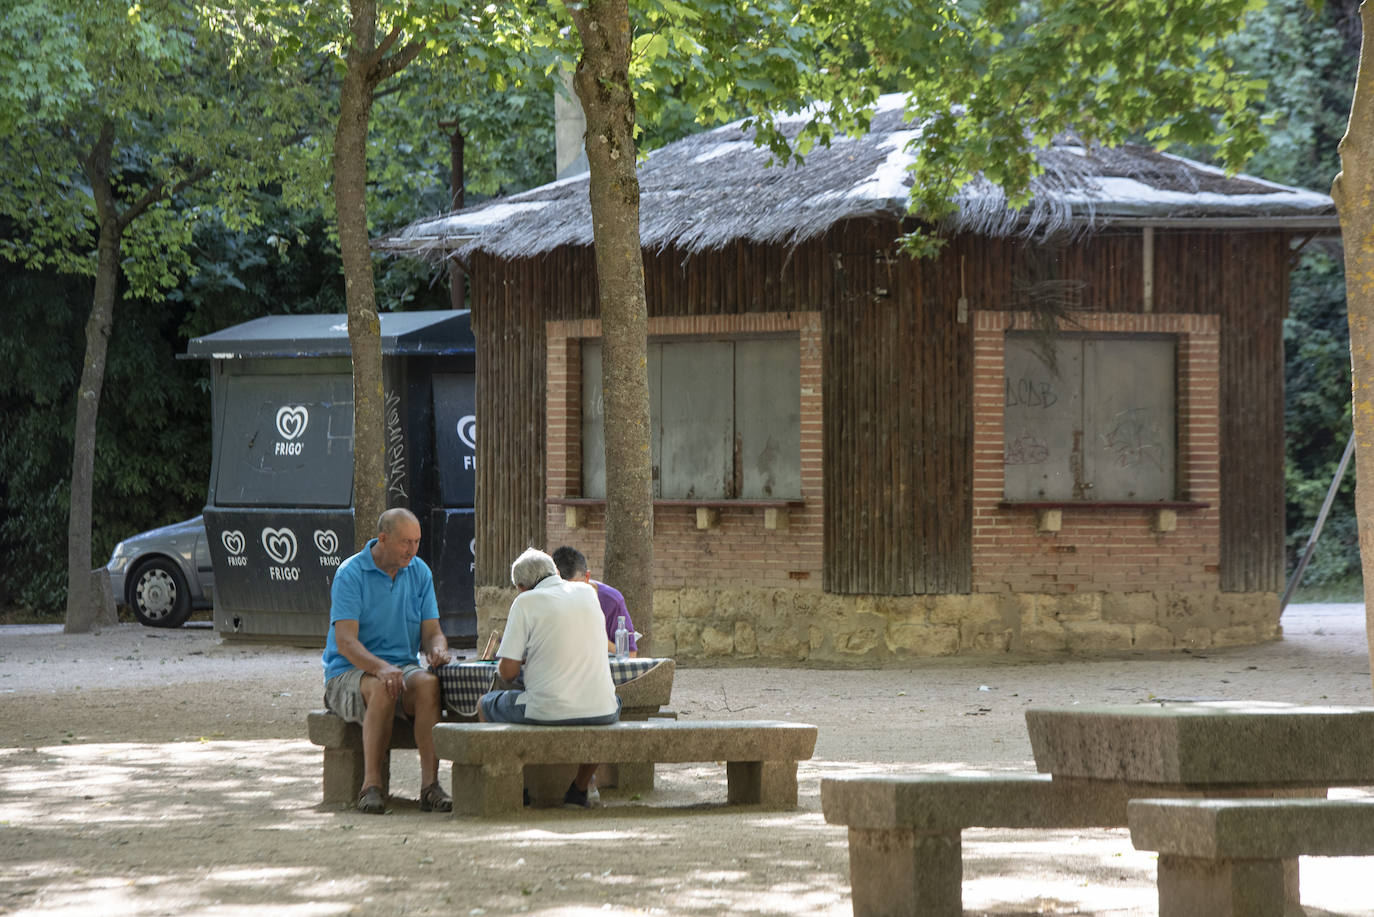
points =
(326, 541)
(280, 544)
(291, 423)
(467, 430)
(234, 543)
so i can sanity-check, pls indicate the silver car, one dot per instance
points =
(164, 573)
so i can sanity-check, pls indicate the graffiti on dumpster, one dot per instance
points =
(395, 447)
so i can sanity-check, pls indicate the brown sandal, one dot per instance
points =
(371, 801)
(434, 799)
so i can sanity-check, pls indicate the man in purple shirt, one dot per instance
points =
(572, 566)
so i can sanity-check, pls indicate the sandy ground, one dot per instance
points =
(167, 772)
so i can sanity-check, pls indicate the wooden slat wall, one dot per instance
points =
(509, 328)
(898, 424)
(1244, 278)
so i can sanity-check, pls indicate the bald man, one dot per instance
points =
(382, 615)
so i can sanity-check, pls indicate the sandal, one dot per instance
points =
(371, 801)
(434, 799)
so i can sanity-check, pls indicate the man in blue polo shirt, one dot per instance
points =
(382, 614)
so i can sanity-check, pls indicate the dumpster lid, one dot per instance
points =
(403, 334)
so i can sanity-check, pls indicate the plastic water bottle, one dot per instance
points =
(622, 640)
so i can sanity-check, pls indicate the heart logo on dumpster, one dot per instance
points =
(467, 430)
(280, 544)
(327, 542)
(233, 541)
(292, 421)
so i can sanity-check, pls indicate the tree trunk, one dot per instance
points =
(83, 604)
(603, 86)
(1353, 192)
(457, 179)
(364, 325)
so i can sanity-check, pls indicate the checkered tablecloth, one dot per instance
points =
(464, 683)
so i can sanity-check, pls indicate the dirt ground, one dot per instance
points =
(167, 772)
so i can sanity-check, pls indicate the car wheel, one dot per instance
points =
(158, 594)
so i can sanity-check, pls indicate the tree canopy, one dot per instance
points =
(220, 138)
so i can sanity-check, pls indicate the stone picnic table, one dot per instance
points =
(904, 830)
(1206, 748)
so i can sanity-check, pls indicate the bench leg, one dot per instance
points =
(771, 784)
(343, 775)
(1225, 888)
(488, 790)
(899, 873)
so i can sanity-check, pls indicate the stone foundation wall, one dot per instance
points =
(787, 626)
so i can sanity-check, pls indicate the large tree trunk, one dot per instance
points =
(83, 603)
(603, 86)
(364, 325)
(1353, 192)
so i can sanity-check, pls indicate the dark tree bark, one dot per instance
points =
(456, 144)
(603, 86)
(83, 605)
(367, 67)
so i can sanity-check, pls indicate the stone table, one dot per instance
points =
(1212, 749)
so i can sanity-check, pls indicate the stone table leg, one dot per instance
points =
(630, 776)
(546, 783)
(899, 873)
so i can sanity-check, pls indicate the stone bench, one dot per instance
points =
(1226, 857)
(641, 698)
(490, 760)
(343, 754)
(905, 848)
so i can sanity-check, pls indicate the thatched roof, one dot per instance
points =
(711, 189)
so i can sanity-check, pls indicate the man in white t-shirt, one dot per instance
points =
(556, 631)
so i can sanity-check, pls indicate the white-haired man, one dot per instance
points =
(557, 633)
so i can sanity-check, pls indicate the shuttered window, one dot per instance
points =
(1090, 417)
(725, 419)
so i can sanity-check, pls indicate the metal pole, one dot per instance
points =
(1317, 529)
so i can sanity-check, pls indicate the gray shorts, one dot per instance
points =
(343, 694)
(501, 707)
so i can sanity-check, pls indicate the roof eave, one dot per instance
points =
(418, 244)
(1291, 222)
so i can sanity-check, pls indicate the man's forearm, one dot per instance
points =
(508, 669)
(356, 653)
